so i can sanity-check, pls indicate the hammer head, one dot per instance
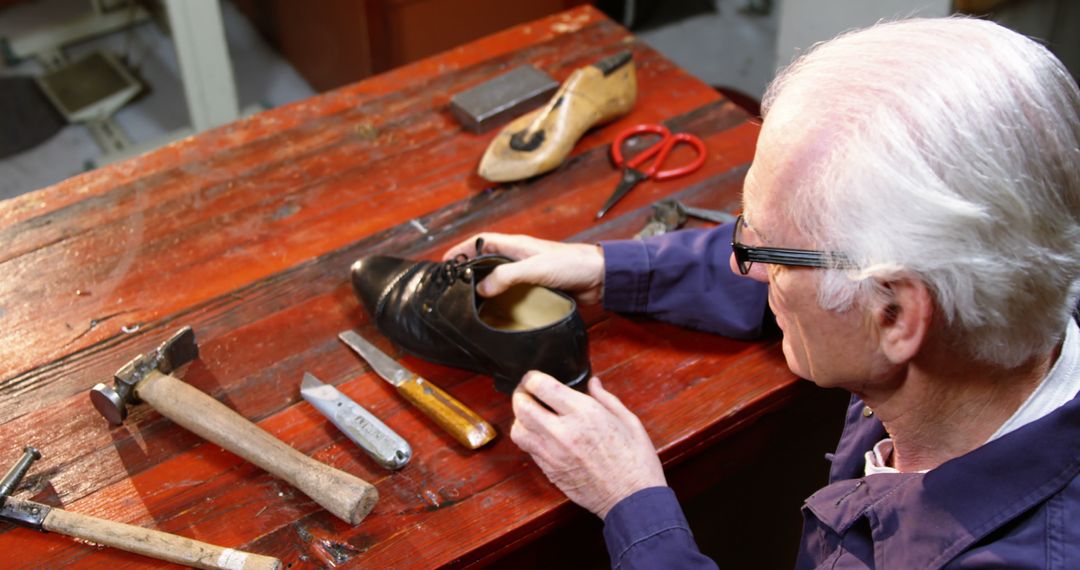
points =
(176, 351)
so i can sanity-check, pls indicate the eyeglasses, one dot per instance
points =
(745, 256)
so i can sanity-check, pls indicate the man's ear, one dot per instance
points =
(903, 318)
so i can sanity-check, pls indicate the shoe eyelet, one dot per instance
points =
(427, 307)
(467, 274)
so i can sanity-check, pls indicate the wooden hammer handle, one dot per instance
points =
(155, 544)
(346, 496)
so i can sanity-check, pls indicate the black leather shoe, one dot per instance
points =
(432, 311)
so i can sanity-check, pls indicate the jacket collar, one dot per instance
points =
(927, 519)
(861, 432)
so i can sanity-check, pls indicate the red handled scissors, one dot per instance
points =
(633, 173)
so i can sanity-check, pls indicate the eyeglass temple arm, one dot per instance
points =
(796, 257)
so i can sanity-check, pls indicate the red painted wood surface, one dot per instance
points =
(246, 233)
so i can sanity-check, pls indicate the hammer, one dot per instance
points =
(148, 378)
(152, 543)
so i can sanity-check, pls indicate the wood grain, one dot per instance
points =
(160, 545)
(246, 233)
(346, 496)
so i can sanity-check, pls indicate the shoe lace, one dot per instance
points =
(457, 267)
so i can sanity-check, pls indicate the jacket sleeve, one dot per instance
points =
(647, 530)
(684, 278)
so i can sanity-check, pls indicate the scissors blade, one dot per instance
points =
(630, 178)
(382, 364)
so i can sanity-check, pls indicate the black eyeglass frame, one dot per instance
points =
(746, 256)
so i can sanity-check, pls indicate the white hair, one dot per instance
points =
(953, 156)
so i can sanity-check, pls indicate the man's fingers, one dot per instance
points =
(531, 415)
(499, 280)
(560, 398)
(531, 443)
(467, 246)
(530, 270)
(512, 246)
(612, 402)
(516, 246)
(522, 437)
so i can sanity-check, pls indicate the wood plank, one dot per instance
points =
(254, 333)
(564, 204)
(624, 355)
(180, 252)
(246, 233)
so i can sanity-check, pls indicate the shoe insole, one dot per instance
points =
(524, 307)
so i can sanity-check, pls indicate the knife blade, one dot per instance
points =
(463, 424)
(383, 444)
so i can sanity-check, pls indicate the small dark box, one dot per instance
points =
(501, 98)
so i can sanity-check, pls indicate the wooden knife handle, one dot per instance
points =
(458, 420)
(348, 497)
(155, 544)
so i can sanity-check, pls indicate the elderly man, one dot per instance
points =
(914, 208)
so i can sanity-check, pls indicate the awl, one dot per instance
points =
(459, 421)
(383, 444)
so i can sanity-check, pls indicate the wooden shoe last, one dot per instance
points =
(541, 140)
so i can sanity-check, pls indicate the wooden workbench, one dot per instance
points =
(246, 233)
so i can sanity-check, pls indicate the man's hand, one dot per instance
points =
(574, 267)
(593, 449)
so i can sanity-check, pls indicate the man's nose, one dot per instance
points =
(757, 271)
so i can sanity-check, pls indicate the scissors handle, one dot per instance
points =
(652, 129)
(660, 150)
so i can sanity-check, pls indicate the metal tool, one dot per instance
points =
(383, 444)
(717, 216)
(666, 216)
(504, 97)
(458, 420)
(148, 378)
(669, 215)
(152, 543)
(633, 173)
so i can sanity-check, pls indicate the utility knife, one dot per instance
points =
(463, 424)
(383, 444)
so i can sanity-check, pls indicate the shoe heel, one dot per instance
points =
(507, 386)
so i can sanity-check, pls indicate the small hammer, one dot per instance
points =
(148, 378)
(152, 543)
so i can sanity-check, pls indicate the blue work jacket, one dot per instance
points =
(1011, 503)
